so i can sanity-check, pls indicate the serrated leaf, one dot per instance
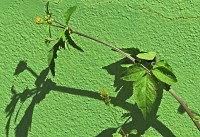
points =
(133, 132)
(68, 13)
(133, 73)
(50, 56)
(163, 72)
(147, 56)
(116, 135)
(145, 94)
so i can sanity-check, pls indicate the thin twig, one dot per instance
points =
(104, 43)
(59, 23)
(133, 60)
(185, 107)
(57, 26)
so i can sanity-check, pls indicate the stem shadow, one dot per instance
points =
(44, 85)
(124, 92)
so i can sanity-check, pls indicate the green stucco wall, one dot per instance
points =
(69, 104)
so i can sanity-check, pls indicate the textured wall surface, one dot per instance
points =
(69, 104)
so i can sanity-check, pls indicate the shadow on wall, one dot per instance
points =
(44, 85)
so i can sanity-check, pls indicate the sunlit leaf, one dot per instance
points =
(163, 63)
(133, 132)
(145, 94)
(68, 13)
(163, 72)
(116, 135)
(147, 56)
(126, 65)
(133, 73)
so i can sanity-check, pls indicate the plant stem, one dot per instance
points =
(110, 46)
(116, 121)
(57, 26)
(133, 60)
(59, 23)
(185, 107)
(104, 43)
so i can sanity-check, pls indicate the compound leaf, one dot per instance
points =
(68, 13)
(147, 56)
(145, 94)
(133, 73)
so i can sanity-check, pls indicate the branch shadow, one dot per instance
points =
(44, 85)
(125, 92)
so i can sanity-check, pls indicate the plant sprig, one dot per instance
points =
(144, 69)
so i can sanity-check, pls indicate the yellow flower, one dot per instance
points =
(38, 20)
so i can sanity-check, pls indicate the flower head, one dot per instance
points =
(38, 20)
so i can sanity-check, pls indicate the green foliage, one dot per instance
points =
(163, 72)
(147, 56)
(145, 73)
(145, 94)
(68, 14)
(47, 8)
(133, 73)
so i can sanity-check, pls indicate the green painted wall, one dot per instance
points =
(69, 104)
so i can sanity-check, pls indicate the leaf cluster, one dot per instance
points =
(63, 40)
(146, 74)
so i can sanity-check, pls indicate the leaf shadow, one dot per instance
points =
(137, 122)
(44, 85)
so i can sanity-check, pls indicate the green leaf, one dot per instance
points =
(126, 65)
(116, 135)
(68, 13)
(47, 7)
(163, 63)
(50, 56)
(133, 132)
(145, 94)
(147, 56)
(133, 73)
(163, 72)
(71, 42)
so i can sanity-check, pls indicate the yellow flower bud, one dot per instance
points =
(38, 20)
